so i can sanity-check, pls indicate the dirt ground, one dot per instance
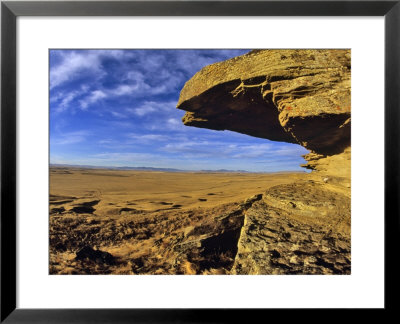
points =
(146, 222)
(125, 212)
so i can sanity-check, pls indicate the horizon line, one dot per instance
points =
(165, 169)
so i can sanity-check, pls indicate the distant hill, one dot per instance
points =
(126, 168)
(225, 170)
(115, 168)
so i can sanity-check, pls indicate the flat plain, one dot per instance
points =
(138, 222)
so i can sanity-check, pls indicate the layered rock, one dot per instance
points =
(299, 228)
(295, 96)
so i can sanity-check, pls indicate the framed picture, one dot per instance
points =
(258, 82)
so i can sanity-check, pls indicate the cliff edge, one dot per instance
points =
(295, 96)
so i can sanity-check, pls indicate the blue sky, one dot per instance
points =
(118, 108)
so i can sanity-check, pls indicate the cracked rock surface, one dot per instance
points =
(299, 228)
(295, 96)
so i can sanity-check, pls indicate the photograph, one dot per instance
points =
(199, 161)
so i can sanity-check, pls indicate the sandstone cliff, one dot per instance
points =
(295, 96)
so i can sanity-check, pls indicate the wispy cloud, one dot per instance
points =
(135, 73)
(148, 137)
(72, 64)
(94, 97)
(125, 156)
(150, 107)
(175, 124)
(69, 138)
(124, 103)
(132, 159)
(227, 150)
(118, 114)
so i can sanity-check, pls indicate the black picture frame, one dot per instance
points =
(10, 10)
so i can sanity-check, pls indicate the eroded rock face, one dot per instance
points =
(295, 96)
(298, 228)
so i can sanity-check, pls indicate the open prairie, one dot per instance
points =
(127, 222)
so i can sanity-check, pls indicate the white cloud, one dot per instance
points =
(125, 89)
(54, 97)
(130, 159)
(138, 73)
(120, 124)
(135, 76)
(124, 156)
(291, 150)
(63, 105)
(221, 149)
(175, 124)
(118, 114)
(73, 63)
(253, 151)
(149, 107)
(105, 141)
(70, 138)
(196, 149)
(144, 110)
(148, 137)
(92, 98)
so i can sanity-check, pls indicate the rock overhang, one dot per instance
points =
(294, 96)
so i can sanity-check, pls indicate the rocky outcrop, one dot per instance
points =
(299, 228)
(295, 96)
